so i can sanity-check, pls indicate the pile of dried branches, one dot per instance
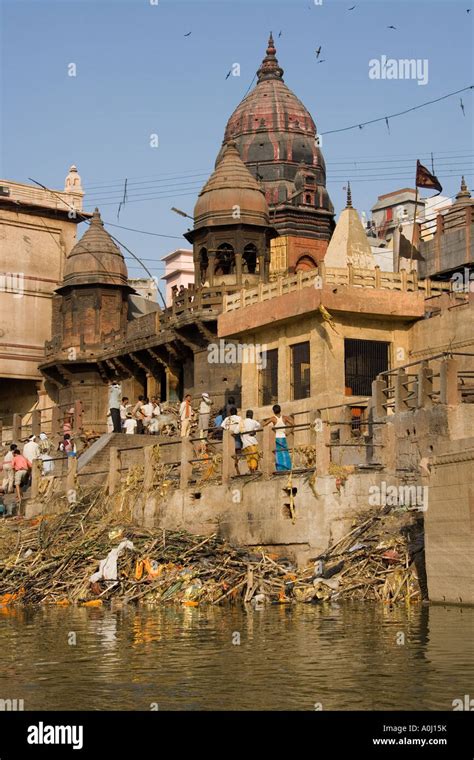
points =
(50, 560)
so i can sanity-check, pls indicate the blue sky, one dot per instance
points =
(138, 75)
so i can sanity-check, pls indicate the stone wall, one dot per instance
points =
(256, 513)
(449, 524)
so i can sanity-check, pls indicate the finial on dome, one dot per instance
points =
(464, 191)
(349, 196)
(270, 68)
(96, 217)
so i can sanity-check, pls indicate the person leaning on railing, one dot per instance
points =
(279, 422)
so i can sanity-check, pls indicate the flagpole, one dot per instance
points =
(414, 222)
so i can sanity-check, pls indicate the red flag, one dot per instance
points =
(424, 178)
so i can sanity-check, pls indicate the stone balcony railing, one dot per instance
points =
(402, 281)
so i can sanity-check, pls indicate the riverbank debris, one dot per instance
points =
(54, 559)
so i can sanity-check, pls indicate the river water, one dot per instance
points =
(349, 656)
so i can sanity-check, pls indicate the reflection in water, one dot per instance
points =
(344, 656)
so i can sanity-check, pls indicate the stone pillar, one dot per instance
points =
(78, 425)
(323, 449)
(228, 451)
(36, 472)
(16, 431)
(268, 455)
(378, 398)
(449, 393)
(147, 468)
(261, 266)
(424, 386)
(56, 419)
(401, 391)
(211, 267)
(71, 478)
(197, 269)
(187, 454)
(238, 267)
(153, 386)
(115, 464)
(35, 422)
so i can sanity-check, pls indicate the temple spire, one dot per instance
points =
(349, 196)
(270, 68)
(463, 192)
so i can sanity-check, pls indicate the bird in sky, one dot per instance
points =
(279, 34)
(391, 27)
(351, 9)
(468, 10)
(228, 75)
(187, 35)
(462, 106)
(322, 60)
(318, 52)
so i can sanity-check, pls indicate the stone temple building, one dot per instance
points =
(277, 140)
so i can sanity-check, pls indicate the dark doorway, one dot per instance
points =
(268, 377)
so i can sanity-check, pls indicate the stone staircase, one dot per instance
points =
(94, 461)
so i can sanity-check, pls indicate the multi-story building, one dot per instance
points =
(37, 231)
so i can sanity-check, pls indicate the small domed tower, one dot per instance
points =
(232, 231)
(93, 303)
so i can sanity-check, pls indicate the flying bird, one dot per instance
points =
(318, 52)
(321, 60)
(468, 10)
(462, 106)
(187, 35)
(391, 27)
(351, 9)
(279, 34)
(228, 75)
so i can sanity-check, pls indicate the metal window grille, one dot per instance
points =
(363, 361)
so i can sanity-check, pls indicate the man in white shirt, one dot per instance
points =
(125, 407)
(204, 412)
(186, 415)
(130, 425)
(31, 450)
(115, 394)
(234, 423)
(147, 412)
(249, 441)
(8, 472)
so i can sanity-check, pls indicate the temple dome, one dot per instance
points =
(275, 134)
(95, 259)
(231, 195)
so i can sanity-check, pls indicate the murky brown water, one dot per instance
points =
(343, 656)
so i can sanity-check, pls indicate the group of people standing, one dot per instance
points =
(144, 417)
(17, 464)
(124, 417)
(243, 429)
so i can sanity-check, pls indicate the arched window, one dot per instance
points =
(225, 259)
(250, 259)
(304, 263)
(203, 264)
